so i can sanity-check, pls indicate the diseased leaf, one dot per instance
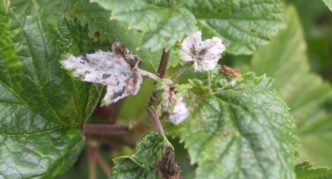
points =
(243, 24)
(204, 54)
(145, 163)
(40, 106)
(118, 70)
(239, 130)
(306, 171)
(285, 59)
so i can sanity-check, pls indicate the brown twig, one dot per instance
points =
(106, 129)
(163, 63)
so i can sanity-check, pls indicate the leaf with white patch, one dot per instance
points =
(118, 70)
(204, 54)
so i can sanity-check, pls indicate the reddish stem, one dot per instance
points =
(163, 63)
(110, 129)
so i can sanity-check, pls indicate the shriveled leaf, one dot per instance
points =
(118, 70)
(204, 54)
(40, 105)
(305, 92)
(147, 162)
(306, 171)
(242, 130)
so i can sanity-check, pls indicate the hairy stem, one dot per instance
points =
(111, 129)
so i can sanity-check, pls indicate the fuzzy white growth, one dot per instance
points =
(205, 54)
(179, 113)
(118, 70)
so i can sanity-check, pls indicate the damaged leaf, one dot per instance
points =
(204, 54)
(118, 70)
(170, 101)
(154, 158)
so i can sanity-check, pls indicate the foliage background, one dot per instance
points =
(299, 58)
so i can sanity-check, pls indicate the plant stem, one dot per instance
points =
(95, 157)
(111, 129)
(156, 121)
(91, 164)
(163, 63)
(149, 75)
(161, 71)
(182, 69)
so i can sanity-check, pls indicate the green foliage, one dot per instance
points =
(305, 92)
(40, 105)
(306, 171)
(239, 127)
(243, 24)
(328, 3)
(143, 164)
(243, 131)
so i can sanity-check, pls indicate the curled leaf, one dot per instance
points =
(118, 70)
(204, 54)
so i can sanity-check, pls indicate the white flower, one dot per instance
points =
(118, 70)
(204, 54)
(180, 112)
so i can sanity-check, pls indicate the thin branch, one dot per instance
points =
(103, 164)
(182, 69)
(111, 129)
(94, 156)
(149, 75)
(91, 163)
(163, 63)
(156, 121)
(161, 71)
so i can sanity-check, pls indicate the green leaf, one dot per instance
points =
(40, 106)
(306, 171)
(162, 26)
(328, 3)
(305, 92)
(144, 163)
(239, 131)
(243, 24)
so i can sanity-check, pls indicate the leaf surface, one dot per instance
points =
(328, 3)
(242, 131)
(143, 164)
(40, 105)
(306, 171)
(305, 92)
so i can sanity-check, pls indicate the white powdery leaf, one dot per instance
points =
(118, 70)
(179, 113)
(205, 54)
